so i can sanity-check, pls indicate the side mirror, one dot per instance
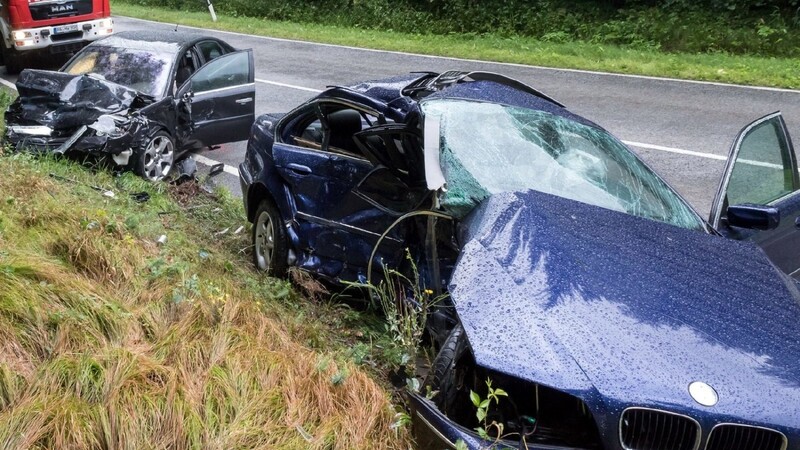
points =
(755, 217)
(187, 96)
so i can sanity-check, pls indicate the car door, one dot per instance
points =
(761, 178)
(220, 100)
(323, 168)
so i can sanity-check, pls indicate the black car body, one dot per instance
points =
(579, 282)
(138, 98)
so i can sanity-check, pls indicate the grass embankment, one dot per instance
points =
(111, 340)
(718, 67)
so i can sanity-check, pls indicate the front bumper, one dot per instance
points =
(61, 37)
(81, 141)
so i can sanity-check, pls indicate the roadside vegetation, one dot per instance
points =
(727, 41)
(130, 324)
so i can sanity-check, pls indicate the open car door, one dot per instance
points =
(220, 100)
(759, 196)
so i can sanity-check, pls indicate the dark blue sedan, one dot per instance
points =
(579, 282)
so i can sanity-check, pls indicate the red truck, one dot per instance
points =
(31, 27)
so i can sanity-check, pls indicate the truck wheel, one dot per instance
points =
(154, 159)
(270, 252)
(12, 60)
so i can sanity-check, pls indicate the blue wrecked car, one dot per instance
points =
(610, 312)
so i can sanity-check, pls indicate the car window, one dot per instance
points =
(309, 136)
(516, 149)
(210, 50)
(187, 65)
(224, 72)
(343, 124)
(763, 171)
(144, 71)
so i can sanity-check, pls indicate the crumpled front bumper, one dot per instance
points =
(84, 140)
(434, 430)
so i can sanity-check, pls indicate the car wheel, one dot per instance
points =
(154, 159)
(442, 376)
(270, 250)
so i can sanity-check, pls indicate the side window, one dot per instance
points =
(226, 71)
(343, 124)
(764, 169)
(187, 65)
(309, 136)
(210, 50)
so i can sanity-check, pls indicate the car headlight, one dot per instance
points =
(541, 414)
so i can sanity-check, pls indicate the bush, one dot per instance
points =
(763, 27)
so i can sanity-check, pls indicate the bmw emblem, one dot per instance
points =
(703, 393)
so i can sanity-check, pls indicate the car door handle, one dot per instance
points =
(299, 169)
(244, 101)
(797, 222)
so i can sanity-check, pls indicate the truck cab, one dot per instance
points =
(55, 27)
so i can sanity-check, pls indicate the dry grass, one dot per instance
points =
(108, 341)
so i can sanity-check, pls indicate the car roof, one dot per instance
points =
(162, 41)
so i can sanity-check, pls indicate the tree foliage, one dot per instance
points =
(757, 27)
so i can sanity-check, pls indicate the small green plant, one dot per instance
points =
(406, 303)
(482, 412)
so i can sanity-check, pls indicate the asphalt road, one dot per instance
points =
(681, 129)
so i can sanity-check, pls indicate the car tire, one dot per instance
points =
(270, 248)
(155, 158)
(442, 376)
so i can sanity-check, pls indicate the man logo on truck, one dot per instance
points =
(62, 8)
(49, 27)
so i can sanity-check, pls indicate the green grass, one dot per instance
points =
(719, 67)
(111, 340)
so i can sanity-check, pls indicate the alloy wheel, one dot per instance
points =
(158, 158)
(264, 241)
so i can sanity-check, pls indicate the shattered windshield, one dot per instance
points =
(145, 71)
(487, 148)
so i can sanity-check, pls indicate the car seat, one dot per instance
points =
(343, 125)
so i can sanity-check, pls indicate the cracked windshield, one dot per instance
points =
(518, 149)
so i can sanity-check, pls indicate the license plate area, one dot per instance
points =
(62, 29)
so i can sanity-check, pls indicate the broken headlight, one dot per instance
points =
(112, 125)
(531, 412)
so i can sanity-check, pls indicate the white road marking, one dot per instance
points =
(8, 84)
(679, 151)
(291, 86)
(420, 55)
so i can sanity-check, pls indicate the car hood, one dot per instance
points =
(625, 311)
(62, 101)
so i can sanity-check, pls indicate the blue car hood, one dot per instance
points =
(623, 311)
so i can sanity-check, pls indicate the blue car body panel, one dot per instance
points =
(621, 311)
(614, 310)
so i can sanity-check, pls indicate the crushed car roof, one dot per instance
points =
(403, 93)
